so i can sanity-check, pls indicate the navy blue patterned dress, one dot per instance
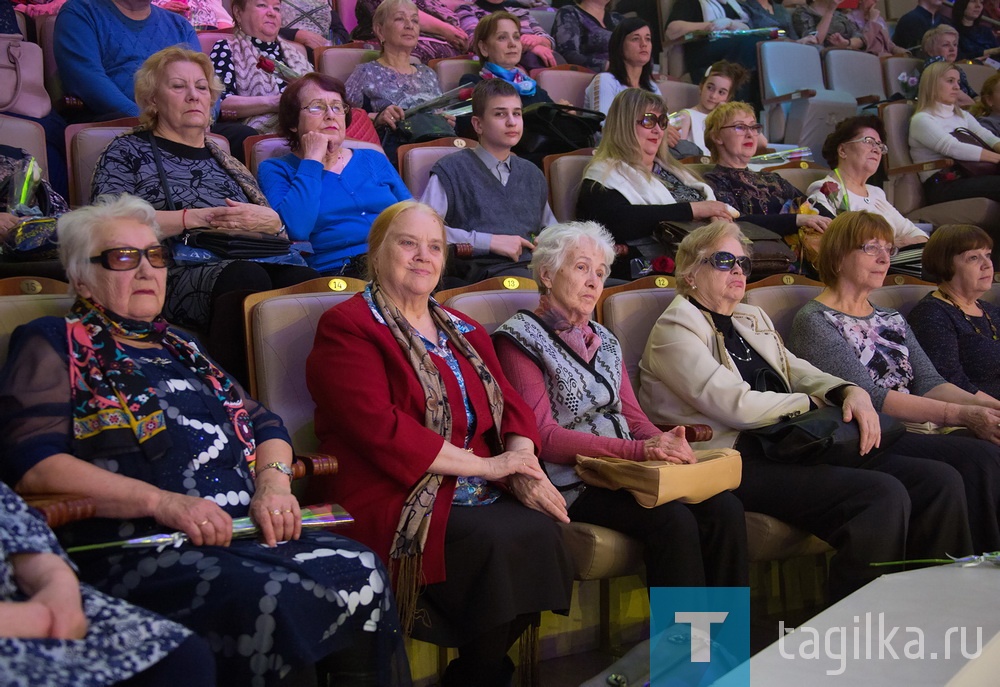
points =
(264, 611)
(121, 640)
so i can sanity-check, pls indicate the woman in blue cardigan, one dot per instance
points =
(325, 193)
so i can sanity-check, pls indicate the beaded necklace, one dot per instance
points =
(993, 327)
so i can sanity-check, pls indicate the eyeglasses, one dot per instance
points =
(744, 129)
(649, 120)
(124, 259)
(725, 262)
(875, 249)
(318, 107)
(871, 143)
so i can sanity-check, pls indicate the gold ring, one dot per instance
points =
(202, 523)
(276, 512)
(287, 510)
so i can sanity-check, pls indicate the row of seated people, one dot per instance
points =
(487, 514)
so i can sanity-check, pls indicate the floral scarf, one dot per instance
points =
(406, 554)
(524, 84)
(113, 404)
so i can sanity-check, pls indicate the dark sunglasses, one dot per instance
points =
(725, 262)
(649, 120)
(124, 259)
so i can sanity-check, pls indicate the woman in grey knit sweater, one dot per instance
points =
(842, 333)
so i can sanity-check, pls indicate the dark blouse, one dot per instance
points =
(581, 39)
(760, 18)
(974, 40)
(967, 359)
(759, 196)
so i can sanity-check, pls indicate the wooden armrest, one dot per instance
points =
(61, 509)
(692, 433)
(788, 97)
(916, 167)
(313, 464)
(868, 99)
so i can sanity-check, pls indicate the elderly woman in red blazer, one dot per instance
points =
(437, 455)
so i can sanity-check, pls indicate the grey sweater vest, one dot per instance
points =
(584, 396)
(477, 201)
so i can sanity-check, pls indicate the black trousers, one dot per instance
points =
(960, 189)
(899, 507)
(684, 545)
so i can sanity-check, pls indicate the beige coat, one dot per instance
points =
(686, 375)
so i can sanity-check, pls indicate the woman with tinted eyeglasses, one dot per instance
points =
(633, 183)
(116, 405)
(841, 332)
(714, 360)
(731, 132)
(854, 151)
(326, 193)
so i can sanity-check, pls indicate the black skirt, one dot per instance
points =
(502, 560)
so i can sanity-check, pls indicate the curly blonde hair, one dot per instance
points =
(151, 75)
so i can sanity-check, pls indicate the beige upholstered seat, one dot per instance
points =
(904, 189)
(85, 150)
(18, 310)
(565, 173)
(679, 95)
(450, 70)
(893, 66)
(340, 62)
(781, 302)
(977, 75)
(901, 297)
(856, 72)
(800, 174)
(27, 135)
(566, 82)
(417, 159)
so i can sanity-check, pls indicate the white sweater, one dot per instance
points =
(603, 89)
(876, 202)
(931, 139)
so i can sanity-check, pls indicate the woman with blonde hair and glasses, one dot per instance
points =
(633, 183)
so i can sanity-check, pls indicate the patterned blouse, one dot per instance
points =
(469, 491)
(222, 59)
(879, 342)
(681, 192)
(581, 39)
(752, 193)
(374, 87)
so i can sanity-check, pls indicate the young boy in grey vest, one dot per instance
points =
(489, 198)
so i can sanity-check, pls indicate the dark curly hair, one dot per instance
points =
(848, 130)
(289, 106)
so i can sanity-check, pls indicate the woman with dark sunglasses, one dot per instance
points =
(842, 332)
(714, 360)
(116, 405)
(633, 183)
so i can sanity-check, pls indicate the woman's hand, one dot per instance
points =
(521, 462)
(55, 608)
(245, 217)
(275, 509)
(544, 52)
(7, 222)
(817, 223)
(455, 36)
(310, 39)
(509, 246)
(203, 521)
(673, 136)
(707, 209)
(857, 406)
(984, 422)
(539, 494)
(671, 446)
(314, 146)
(390, 116)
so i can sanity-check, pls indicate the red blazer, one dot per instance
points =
(370, 415)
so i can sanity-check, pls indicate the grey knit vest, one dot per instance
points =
(477, 201)
(584, 396)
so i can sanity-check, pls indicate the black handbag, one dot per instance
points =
(770, 254)
(242, 245)
(550, 128)
(821, 437)
(974, 168)
(423, 126)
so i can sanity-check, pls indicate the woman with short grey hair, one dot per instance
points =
(570, 370)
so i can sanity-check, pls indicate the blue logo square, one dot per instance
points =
(699, 635)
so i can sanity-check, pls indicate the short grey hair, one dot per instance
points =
(701, 243)
(78, 230)
(554, 242)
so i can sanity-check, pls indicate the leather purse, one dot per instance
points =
(974, 168)
(821, 437)
(655, 482)
(244, 245)
(424, 126)
(770, 254)
(21, 78)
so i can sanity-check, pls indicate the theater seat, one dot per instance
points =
(781, 296)
(564, 172)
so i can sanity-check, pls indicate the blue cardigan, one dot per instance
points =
(99, 50)
(332, 211)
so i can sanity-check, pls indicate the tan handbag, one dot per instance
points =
(656, 482)
(22, 89)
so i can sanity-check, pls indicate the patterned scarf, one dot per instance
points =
(524, 84)
(406, 554)
(251, 80)
(584, 341)
(113, 403)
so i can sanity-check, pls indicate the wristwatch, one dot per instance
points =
(280, 467)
